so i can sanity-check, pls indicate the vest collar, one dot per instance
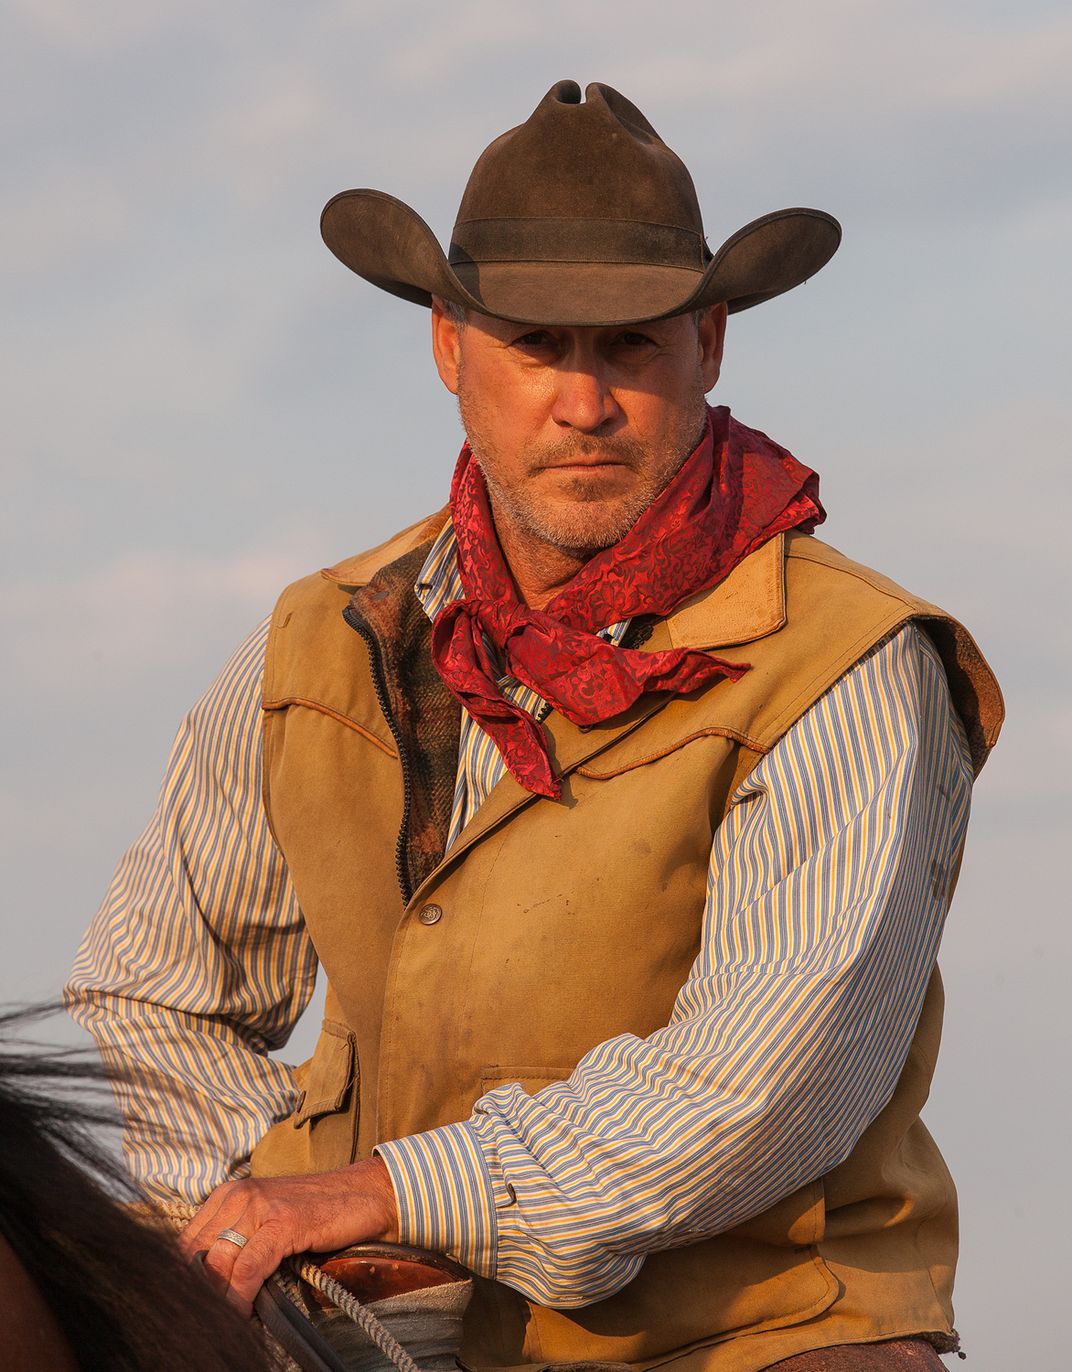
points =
(748, 604)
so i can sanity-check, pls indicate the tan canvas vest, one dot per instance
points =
(452, 975)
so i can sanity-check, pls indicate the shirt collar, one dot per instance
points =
(440, 582)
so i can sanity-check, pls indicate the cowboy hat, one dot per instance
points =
(580, 216)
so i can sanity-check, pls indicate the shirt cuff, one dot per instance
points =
(445, 1193)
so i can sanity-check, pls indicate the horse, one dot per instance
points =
(87, 1282)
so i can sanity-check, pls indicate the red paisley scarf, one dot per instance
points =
(736, 490)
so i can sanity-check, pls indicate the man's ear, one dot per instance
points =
(712, 336)
(446, 345)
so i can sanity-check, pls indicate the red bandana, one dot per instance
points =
(733, 493)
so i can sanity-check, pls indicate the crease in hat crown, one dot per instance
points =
(580, 215)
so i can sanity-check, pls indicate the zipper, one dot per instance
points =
(379, 682)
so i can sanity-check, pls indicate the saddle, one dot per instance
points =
(417, 1296)
(377, 1271)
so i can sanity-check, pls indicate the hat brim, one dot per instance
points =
(389, 244)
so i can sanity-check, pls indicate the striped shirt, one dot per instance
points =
(827, 891)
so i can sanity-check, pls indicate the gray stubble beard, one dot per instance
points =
(569, 527)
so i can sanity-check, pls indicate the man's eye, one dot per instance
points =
(633, 339)
(537, 338)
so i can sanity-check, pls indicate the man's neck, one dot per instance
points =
(539, 570)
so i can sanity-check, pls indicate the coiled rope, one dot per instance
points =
(178, 1213)
(372, 1327)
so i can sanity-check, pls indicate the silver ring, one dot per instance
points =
(232, 1236)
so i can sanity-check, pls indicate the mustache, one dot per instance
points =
(565, 450)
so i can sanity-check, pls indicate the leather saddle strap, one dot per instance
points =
(289, 1327)
(376, 1271)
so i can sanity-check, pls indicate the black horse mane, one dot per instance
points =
(116, 1285)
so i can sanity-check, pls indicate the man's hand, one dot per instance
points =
(282, 1215)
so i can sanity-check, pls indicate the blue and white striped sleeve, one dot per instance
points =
(198, 961)
(828, 888)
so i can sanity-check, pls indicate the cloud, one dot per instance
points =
(140, 615)
(69, 211)
(910, 105)
(774, 54)
(479, 36)
(115, 25)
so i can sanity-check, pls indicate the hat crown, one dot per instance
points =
(596, 159)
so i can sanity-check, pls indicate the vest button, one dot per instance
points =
(431, 914)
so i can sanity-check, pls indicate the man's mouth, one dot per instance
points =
(585, 463)
(585, 460)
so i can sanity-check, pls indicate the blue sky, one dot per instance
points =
(200, 404)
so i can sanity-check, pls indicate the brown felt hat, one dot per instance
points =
(580, 216)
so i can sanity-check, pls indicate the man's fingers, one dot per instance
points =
(223, 1253)
(206, 1224)
(238, 1271)
(254, 1264)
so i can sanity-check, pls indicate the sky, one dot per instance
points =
(201, 404)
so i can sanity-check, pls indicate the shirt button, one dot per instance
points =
(431, 914)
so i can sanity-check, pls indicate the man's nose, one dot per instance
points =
(583, 398)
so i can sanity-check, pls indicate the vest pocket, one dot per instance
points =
(530, 1079)
(321, 1134)
(796, 1221)
(331, 1074)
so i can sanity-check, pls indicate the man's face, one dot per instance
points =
(577, 430)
